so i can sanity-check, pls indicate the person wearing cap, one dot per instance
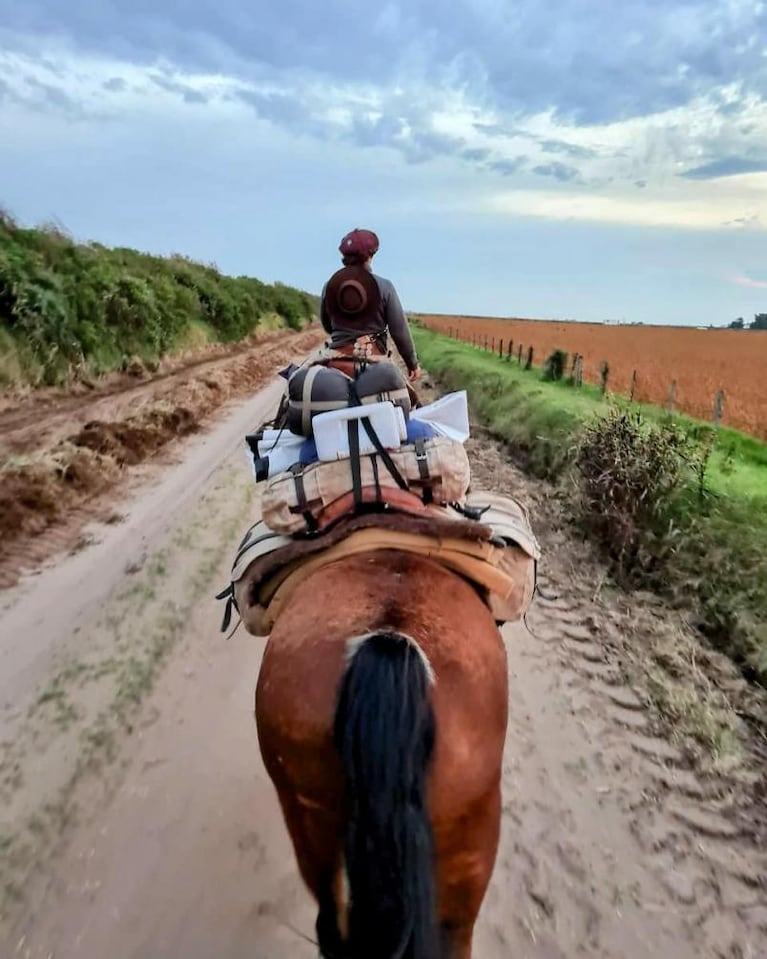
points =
(358, 308)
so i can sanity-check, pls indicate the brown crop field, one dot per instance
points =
(700, 361)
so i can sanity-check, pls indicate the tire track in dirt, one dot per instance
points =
(26, 420)
(621, 837)
(46, 499)
(614, 841)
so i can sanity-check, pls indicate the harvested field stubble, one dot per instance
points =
(701, 362)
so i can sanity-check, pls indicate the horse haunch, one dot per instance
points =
(382, 727)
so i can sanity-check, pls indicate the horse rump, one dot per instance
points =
(384, 731)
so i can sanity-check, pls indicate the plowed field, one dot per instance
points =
(701, 362)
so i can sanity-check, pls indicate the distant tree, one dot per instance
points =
(760, 322)
(737, 324)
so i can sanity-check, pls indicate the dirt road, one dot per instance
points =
(138, 822)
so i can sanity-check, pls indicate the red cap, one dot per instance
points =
(363, 243)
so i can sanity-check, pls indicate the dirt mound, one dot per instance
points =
(49, 486)
(35, 494)
(34, 419)
(136, 439)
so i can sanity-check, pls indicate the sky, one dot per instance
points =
(576, 159)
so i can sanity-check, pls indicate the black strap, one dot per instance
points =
(470, 512)
(231, 603)
(302, 503)
(383, 453)
(354, 400)
(354, 459)
(374, 464)
(423, 470)
(354, 397)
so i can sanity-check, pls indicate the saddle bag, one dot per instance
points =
(321, 389)
(437, 470)
(311, 390)
(381, 382)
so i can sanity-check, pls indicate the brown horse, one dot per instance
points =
(381, 709)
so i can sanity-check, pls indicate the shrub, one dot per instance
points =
(555, 366)
(631, 476)
(68, 309)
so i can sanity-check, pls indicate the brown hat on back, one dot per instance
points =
(352, 298)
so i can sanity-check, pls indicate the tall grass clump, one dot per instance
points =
(631, 476)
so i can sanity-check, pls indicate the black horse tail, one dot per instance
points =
(384, 731)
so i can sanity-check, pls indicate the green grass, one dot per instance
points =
(71, 310)
(519, 406)
(715, 560)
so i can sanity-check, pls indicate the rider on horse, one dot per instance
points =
(358, 307)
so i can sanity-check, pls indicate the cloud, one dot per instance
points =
(507, 167)
(221, 182)
(661, 210)
(571, 149)
(564, 55)
(378, 131)
(188, 93)
(756, 284)
(429, 144)
(476, 154)
(286, 109)
(459, 94)
(725, 166)
(752, 221)
(115, 85)
(559, 171)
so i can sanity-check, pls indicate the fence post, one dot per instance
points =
(493, 346)
(485, 342)
(519, 355)
(671, 397)
(500, 348)
(510, 350)
(604, 373)
(633, 385)
(578, 371)
(718, 407)
(529, 363)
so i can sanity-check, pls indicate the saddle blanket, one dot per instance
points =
(497, 552)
